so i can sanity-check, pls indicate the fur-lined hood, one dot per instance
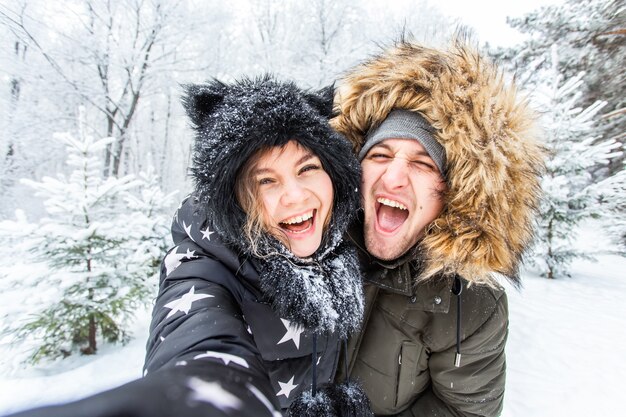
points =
(494, 161)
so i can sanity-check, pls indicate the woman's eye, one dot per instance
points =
(310, 167)
(263, 181)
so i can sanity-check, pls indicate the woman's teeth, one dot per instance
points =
(391, 203)
(298, 219)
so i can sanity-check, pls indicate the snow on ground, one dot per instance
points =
(77, 376)
(564, 354)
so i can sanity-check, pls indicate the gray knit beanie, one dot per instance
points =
(404, 124)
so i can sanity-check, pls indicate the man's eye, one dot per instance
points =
(424, 165)
(379, 156)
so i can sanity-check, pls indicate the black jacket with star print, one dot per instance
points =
(210, 309)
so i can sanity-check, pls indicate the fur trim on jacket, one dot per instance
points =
(493, 158)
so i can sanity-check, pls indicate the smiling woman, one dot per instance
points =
(286, 192)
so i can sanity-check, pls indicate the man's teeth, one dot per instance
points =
(298, 219)
(392, 203)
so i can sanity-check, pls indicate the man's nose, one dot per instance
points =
(396, 174)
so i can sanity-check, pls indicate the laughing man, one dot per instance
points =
(450, 186)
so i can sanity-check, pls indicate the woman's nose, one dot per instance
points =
(293, 192)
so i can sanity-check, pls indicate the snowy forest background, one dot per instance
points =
(94, 148)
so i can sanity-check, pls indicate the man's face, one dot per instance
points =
(402, 194)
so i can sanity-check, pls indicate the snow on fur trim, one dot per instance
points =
(350, 400)
(307, 405)
(333, 400)
(322, 294)
(233, 121)
(494, 160)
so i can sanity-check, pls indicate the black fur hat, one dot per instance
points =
(233, 121)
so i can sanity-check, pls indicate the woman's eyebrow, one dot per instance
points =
(305, 158)
(259, 171)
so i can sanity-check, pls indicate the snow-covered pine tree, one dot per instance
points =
(101, 246)
(611, 196)
(590, 36)
(148, 211)
(569, 189)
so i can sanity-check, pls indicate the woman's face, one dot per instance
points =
(296, 196)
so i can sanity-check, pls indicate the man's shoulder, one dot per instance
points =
(485, 294)
(483, 305)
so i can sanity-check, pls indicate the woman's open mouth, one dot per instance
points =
(390, 214)
(299, 224)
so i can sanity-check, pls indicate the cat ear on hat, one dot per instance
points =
(200, 100)
(322, 100)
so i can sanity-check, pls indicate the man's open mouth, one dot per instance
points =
(298, 224)
(390, 214)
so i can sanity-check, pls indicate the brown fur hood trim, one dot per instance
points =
(494, 161)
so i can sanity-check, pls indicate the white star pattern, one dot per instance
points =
(259, 395)
(213, 393)
(206, 234)
(188, 231)
(173, 259)
(184, 303)
(293, 333)
(226, 357)
(286, 387)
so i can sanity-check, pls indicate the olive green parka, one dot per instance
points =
(436, 320)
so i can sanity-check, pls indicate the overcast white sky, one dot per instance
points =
(488, 17)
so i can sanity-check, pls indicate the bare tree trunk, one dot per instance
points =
(136, 93)
(9, 168)
(91, 347)
(108, 153)
(267, 22)
(16, 87)
(166, 136)
(549, 238)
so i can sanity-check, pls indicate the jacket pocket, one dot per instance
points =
(407, 372)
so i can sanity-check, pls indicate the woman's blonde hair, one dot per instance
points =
(249, 198)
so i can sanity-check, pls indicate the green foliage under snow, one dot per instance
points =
(101, 242)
